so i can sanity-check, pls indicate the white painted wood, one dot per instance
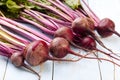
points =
(3, 61)
(88, 69)
(14, 73)
(82, 70)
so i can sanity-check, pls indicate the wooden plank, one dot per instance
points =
(3, 62)
(14, 73)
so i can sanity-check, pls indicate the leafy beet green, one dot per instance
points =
(12, 8)
(74, 4)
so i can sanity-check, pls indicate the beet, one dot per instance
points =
(36, 52)
(88, 42)
(60, 47)
(18, 60)
(106, 28)
(83, 26)
(65, 32)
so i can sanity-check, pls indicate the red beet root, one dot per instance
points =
(36, 52)
(60, 47)
(83, 26)
(106, 28)
(88, 43)
(64, 32)
(18, 60)
(67, 33)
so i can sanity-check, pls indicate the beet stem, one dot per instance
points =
(99, 41)
(5, 50)
(79, 55)
(37, 25)
(55, 19)
(57, 26)
(65, 6)
(71, 52)
(59, 59)
(92, 13)
(60, 13)
(29, 68)
(18, 30)
(76, 14)
(72, 43)
(62, 8)
(80, 14)
(24, 27)
(109, 54)
(23, 40)
(41, 19)
(115, 32)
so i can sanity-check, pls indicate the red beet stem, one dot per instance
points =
(109, 54)
(60, 13)
(115, 32)
(91, 13)
(65, 6)
(18, 61)
(68, 9)
(29, 68)
(55, 19)
(62, 8)
(99, 41)
(80, 14)
(37, 25)
(41, 19)
(5, 50)
(59, 59)
(71, 52)
(35, 32)
(18, 30)
(23, 40)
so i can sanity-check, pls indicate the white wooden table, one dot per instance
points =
(82, 70)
